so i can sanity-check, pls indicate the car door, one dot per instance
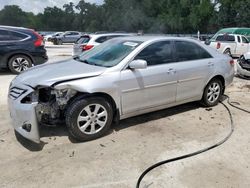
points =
(67, 37)
(74, 37)
(154, 86)
(194, 67)
(244, 46)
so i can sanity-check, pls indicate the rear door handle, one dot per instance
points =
(171, 70)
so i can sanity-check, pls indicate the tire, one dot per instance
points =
(228, 52)
(19, 63)
(59, 42)
(82, 118)
(212, 93)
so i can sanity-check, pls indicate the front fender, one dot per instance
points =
(106, 84)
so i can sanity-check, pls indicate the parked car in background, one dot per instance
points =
(231, 44)
(67, 37)
(50, 36)
(243, 65)
(20, 48)
(120, 78)
(235, 30)
(87, 42)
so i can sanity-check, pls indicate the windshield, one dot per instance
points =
(109, 53)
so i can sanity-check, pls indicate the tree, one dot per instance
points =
(13, 15)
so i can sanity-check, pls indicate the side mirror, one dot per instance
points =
(138, 64)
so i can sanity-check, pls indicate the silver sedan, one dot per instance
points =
(121, 78)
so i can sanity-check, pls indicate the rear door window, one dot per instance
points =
(187, 51)
(157, 53)
(74, 33)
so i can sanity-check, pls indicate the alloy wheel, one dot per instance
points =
(213, 92)
(92, 119)
(20, 64)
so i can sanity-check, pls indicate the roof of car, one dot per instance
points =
(108, 34)
(155, 37)
(12, 27)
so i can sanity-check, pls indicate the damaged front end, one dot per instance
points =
(31, 107)
(243, 65)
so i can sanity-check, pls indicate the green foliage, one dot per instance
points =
(161, 16)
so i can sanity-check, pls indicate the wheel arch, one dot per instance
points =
(227, 48)
(106, 96)
(18, 53)
(219, 77)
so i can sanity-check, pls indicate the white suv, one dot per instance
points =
(87, 42)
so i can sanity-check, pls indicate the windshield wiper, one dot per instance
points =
(89, 63)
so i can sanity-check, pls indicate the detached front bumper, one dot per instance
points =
(23, 115)
(241, 71)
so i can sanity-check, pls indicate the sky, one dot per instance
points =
(37, 6)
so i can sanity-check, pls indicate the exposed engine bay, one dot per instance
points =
(51, 104)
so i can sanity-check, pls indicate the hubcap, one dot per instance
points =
(92, 119)
(213, 92)
(20, 64)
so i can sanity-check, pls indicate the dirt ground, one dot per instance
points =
(118, 159)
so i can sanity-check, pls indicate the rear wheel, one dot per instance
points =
(89, 118)
(228, 52)
(59, 42)
(212, 93)
(19, 63)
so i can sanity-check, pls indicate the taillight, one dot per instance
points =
(231, 62)
(39, 41)
(218, 45)
(87, 47)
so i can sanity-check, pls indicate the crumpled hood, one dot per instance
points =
(49, 74)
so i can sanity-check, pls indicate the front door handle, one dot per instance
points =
(210, 64)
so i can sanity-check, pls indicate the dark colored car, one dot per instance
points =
(20, 48)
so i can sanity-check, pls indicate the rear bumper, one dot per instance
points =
(40, 58)
(23, 116)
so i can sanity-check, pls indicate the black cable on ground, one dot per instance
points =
(234, 106)
(197, 152)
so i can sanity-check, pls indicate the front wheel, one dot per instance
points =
(212, 93)
(89, 118)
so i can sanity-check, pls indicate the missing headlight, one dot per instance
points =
(45, 95)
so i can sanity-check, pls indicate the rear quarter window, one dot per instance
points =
(5, 35)
(83, 40)
(101, 39)
(17, 36)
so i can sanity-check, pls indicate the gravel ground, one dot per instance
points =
(117, 159)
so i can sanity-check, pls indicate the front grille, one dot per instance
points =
(16, 92)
